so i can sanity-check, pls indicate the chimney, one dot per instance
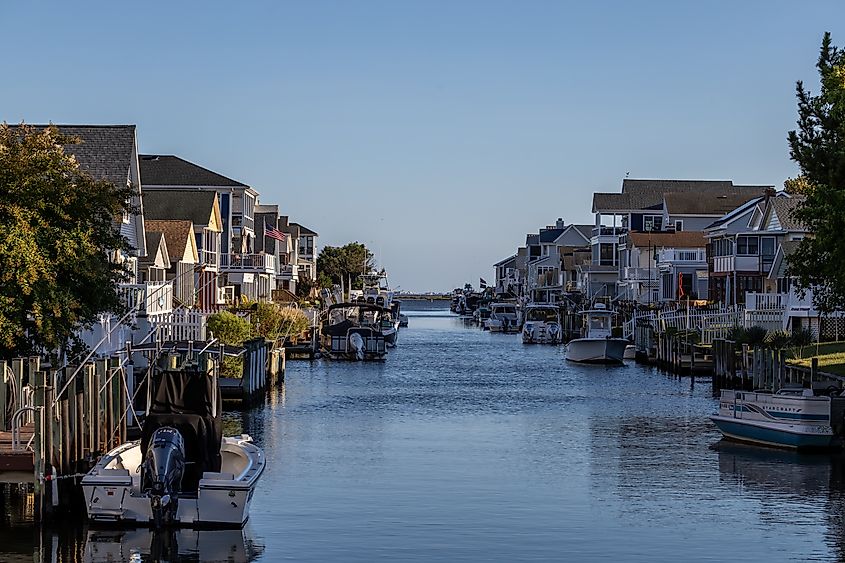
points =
(560, 223)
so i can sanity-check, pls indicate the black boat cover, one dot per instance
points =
(183, 400)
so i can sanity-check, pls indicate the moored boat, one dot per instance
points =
(542, 324)
(354, 331)
(790, 418)
(596, 344)
(182, 472)
(503, 318)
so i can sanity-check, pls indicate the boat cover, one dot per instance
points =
(183, 400)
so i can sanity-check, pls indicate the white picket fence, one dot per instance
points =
(183, 324)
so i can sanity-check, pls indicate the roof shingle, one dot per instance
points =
(169, 170)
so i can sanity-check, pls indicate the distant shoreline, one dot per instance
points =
(423, 297)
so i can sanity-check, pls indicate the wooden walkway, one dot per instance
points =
(16, 466)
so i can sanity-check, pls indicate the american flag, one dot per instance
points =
(273, 232)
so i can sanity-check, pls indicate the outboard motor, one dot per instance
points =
(356, 342)
(164, 465)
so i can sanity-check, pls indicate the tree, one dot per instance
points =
(818, 146)
(272, 321)
(57, 228)
(346, 262)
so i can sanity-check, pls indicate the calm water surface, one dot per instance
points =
(470, 446)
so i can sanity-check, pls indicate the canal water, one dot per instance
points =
(470, 446)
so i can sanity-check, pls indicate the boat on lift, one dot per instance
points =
(354, 331)
(541, 324)
(182, 472)
(597, 345)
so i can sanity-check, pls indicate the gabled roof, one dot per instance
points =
(198, 207)
(781, 260)
(695, 203)
(648, 194)
(156, 243)
(178, 235)
(169, 170)
(305, 231)
(550, 235)
(586, 231)
(680, 239)
(505, 261)
(785, 208)
(532, 239)
(104, 151)
(735, 214)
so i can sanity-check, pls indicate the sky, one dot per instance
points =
(438, 133)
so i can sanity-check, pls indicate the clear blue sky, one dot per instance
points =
(436, 132)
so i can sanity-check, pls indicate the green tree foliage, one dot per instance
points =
(57, 227)
(818, 146)
(346, 262)
(228, 328)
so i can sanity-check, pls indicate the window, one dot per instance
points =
(606, 254)
(249, 205)
(747, 246)
(767, 246)
(652, 222)
(679, 225)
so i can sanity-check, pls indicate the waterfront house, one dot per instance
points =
(506, 276)
(547, 276)
(307, 251)
(182, 251)
(246, 271)
(658, 206)
(284, 251)
(202, 210)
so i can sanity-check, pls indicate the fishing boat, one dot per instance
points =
(596, 344)
(403, 320)
(790, 418)
(354, 331)
(503, 318)
(182, 472)
(542, 324)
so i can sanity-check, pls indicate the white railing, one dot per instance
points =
(285, 271)
(183, 324)
(677, 255)
(631, 273)
(152, 298)
(209, 258)
(769, 319)
(248, 262)
(765, 301)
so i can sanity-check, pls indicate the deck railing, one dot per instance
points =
(152, 298)
(248, 262)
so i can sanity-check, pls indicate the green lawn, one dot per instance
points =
(831, 356)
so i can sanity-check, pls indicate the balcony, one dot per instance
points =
(765, 301)
(679, 256)
(209, 259)
(152, 298)
(640, 274)
(286, 272)
(733, 263)
(248, 263)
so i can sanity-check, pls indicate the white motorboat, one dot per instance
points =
(503, 318)
(182, 472)
(542, 324)
(597, 344)
(790, 418)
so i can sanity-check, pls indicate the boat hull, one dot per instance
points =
(777, 435)
(596, 350)
(113, 495)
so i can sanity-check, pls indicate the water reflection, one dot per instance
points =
(144, 545)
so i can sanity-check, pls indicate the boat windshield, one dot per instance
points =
(505, 310)
(600, 323)
(542, 315)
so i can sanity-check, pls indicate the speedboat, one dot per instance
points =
(542, 324)
(503, 318)
(790, 418)
(403, 320)
(182, 472)
(596, 344)
(354, 331)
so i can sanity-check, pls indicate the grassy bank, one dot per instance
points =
(831, 356)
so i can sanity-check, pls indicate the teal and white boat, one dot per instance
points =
(790, 418)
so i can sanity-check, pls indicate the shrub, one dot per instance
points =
(801, 339)
(755, 336)
(778, 339)
(272, 321)
(228, 328)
